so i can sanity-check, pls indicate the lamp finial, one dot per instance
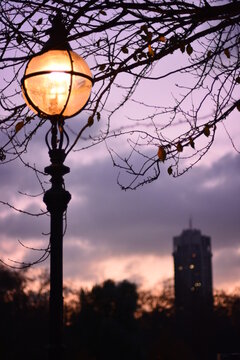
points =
(58, 34)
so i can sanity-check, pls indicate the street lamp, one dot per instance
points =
(56, 85)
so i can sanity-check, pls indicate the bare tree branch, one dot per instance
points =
(126, 43)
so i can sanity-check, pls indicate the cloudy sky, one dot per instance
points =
(128, 235)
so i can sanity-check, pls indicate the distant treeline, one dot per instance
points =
(114, 321)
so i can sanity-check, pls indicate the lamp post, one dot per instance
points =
(56, 85)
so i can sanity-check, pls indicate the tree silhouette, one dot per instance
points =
(112, 320)
(24, 316)
(131, 45)
(105, 325)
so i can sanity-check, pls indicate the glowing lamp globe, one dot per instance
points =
(57, 83)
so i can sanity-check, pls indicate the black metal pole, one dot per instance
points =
(56, 200)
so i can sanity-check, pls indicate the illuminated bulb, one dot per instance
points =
(57, 83)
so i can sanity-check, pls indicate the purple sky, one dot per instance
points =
(117, 234)
(128, 235)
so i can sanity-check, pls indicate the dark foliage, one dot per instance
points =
(23, 325)
(114, 321)
(106, 319)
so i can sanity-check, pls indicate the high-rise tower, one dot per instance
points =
(193, 270)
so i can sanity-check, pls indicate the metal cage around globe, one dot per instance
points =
(57, 83)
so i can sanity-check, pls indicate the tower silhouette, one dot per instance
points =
(192, 270)
(193, 292)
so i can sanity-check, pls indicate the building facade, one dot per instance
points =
(192, 270)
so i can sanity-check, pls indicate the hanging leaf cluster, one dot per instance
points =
(19, 126)
(2, 155)
(161, 153)
(206, 130)
(189, 49)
